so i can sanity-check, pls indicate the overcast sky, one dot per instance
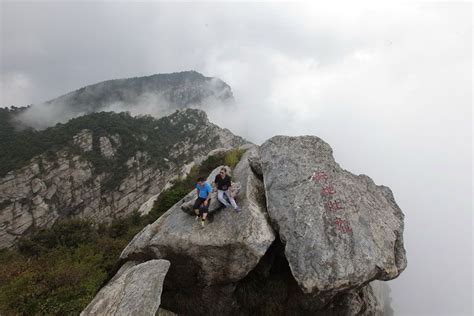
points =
(389, 87)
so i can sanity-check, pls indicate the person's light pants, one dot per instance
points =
(221, 198)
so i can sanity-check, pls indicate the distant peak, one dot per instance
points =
(157, 95)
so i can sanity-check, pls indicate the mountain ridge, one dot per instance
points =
(172, 77)
(158, 95)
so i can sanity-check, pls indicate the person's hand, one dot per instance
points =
(205, 203)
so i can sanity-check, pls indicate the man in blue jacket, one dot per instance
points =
(201, 205)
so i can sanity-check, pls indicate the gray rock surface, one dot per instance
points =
(106, 147)
(256, 164)
(340, 230)
(164, 312)
(84, 140)
(135, 290)
(224, 251)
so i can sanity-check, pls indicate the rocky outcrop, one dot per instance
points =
(106, 148)
(83, 140)
(225, 251)
(65, 183)
(135, 290)
(310, 240)
(340, 230)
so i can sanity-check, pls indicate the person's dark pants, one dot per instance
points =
(199, 205)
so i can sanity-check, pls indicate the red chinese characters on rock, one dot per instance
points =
(333, 205)
(342, 225)
(328, 190)
(318, 176)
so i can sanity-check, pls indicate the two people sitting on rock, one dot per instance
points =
(223, 183)
(201, 205)
(223, 186)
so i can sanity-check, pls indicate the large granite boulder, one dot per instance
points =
(224, 251)
(134, 290)
(340, 230)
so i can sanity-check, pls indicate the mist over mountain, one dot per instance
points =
(157, 95)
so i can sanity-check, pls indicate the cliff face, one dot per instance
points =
(101, 174)
(310, 239)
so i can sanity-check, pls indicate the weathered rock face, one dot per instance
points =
(66, 184)
(106, 148)
(340, 230)
(224, 251)
(83, 140)
(135, 290)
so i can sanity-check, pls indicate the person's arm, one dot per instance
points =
(209, 190)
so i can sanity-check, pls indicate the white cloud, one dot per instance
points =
(16, 88)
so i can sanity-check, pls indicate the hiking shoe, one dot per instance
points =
(202, 222)
(197, 218)
(238, 209)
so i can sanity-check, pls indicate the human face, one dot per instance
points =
(222, 173)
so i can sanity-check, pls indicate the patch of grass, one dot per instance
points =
(57, 271)
(232, 157)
